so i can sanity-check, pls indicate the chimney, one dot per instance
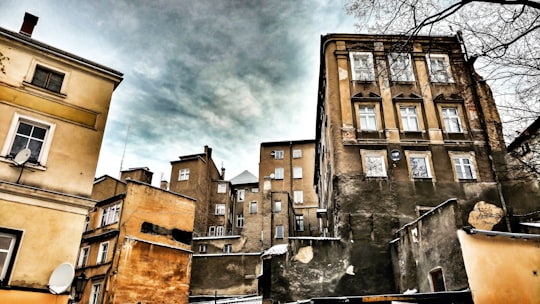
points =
(208, 152)
(28, 25)
(164, 185)
(222, 173)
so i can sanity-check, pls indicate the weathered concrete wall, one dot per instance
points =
(151, 273)
(234, 274)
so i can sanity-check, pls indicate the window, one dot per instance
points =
(464, 165)
(9, 243)
(240, 194)
(183, 174)
(102, 253)
(94, 293)
(219, 231)
(279, 232)
(203, 248)
(222, 188)
(279, 173)
(253, 207)
(277, 206)
(362, 66)
(296, 153)
(437, 280)
(220, 209)
(87, 223)
(109, 215)
(212, 231)
(83, 256)
(28, 133)
(439, 68)
(240, 221)
(368, 117)
(452, 122)
(254, 190)
(48, 79)
(299, 219)
(297, 172)
(278, 154)
(400, 67)
(374, 162)
(409, 118)
(419, 164)
(227, 248)
(298, 196)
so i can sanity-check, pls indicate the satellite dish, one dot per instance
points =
(272, 175)
(61, 278)
(22, 157)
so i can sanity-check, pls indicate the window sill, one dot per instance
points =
(363, 81)
(467, 180)
(44, 90)
(9, 160)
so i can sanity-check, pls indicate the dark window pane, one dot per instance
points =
(18, 144)
(35, 147)
(24, 128)
(40, 77)
(5, 242)
(39, 133)
(55, 82)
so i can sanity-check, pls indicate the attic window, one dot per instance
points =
(48, 79)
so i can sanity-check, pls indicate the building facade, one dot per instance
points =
(53, 110)
(137, 242)
(402, 125)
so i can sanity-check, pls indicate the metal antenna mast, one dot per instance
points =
(124, 153)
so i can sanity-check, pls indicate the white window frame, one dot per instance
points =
(212, 231)
(253, 207)
(227, 248)
(297, 153)
(222, 188)
(95, 292)
(279, 173)
(203, 248)
(459, 166)
(362, 70)
(240, 221)
(183, 174)
(278, 154)
(409, 118)
(431, 279)
(451, 119)
(277, 206)
(370, 118)
(83, 256)
(280, 232)
(440, 72)
(9, 252)
(299, 222)
(110, 215)
(12, 133)
(297, 172)
(220, 209)
(401, 69)
(368, 159)
(103, 252)
(298, 196)
(240, 195)
(86, 223)
(220, 231)
(426, 156)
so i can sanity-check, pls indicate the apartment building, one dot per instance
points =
(136, 246)
(53, 110)
(403, 124)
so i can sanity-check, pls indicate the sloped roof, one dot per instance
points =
(245, 177)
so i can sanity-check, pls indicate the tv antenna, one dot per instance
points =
(20, 159)
(124, 153)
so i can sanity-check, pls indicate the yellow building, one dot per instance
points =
(53, 110)
(137, 243)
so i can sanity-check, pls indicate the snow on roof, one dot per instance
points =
(276, 250)
(245, 177)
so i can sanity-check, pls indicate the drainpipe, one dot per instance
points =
(474, 85)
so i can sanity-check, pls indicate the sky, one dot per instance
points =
(229, 74)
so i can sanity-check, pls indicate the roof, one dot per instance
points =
(24, 39)
(245, 177)
(276, 250)
(287, 142)
(526, 134)
(526, 236)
